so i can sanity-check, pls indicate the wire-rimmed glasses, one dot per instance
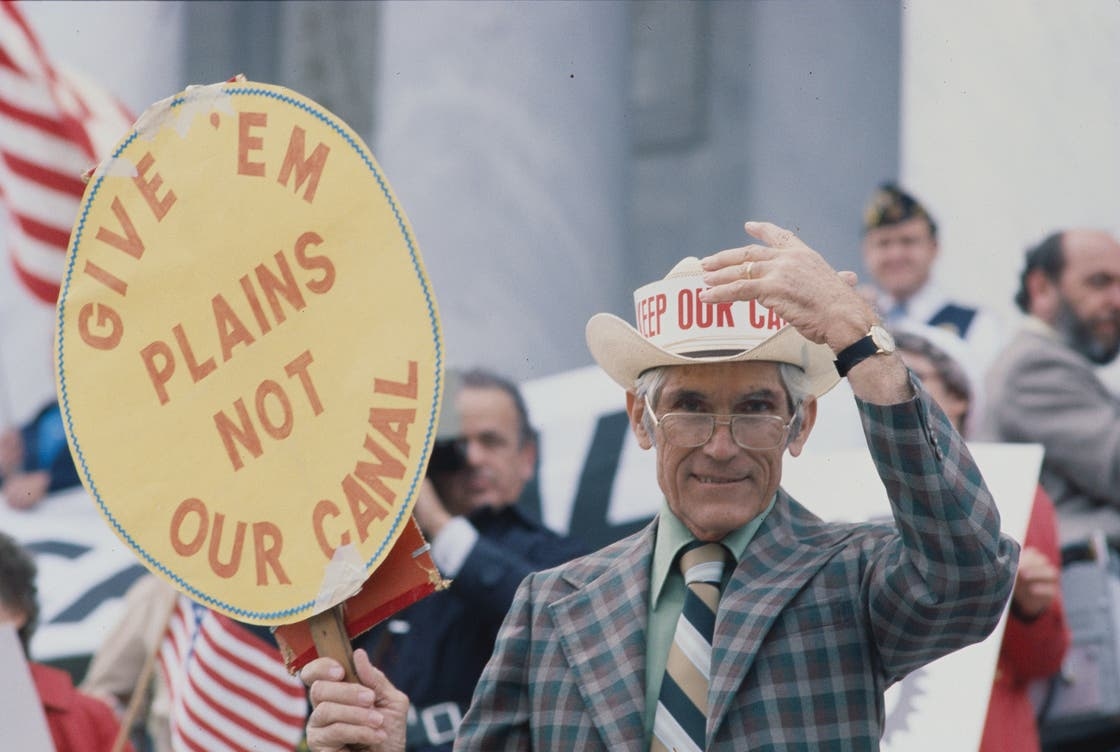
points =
(756, 432)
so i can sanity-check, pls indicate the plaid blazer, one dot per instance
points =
(816, 622)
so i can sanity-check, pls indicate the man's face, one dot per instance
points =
(718, 487)
(497, 463)
(1088, 311)
(899, 256)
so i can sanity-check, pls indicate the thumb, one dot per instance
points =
(371, 676)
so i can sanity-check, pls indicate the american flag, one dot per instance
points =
(230, 690)
(54, 126)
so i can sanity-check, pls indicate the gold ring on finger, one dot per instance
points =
(750, 268)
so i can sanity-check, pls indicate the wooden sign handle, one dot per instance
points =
(328, 631)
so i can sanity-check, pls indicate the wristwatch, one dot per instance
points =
(877, 341)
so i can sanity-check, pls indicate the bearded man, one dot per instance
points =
(1045, 388)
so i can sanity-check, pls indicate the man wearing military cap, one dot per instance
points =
(900, 246)
(899, 249)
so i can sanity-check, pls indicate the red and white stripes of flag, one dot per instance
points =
(229, 688)
(54, 126)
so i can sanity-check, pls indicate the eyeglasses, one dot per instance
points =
(695, 429)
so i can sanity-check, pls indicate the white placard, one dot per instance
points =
(25, 725)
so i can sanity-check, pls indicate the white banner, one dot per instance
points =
(84, 571)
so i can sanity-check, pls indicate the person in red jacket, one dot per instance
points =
(1036, 636)
(78, 722)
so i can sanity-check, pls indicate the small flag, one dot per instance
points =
(229, 688)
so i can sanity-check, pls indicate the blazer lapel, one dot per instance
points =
(775, 567)
(602, 628)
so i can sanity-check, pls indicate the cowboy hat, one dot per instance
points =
(676, 328)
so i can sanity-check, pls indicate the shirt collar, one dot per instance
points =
(926, 301)
(672, 535)
(1036, 325)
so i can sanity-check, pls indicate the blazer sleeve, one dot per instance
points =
(943, 581)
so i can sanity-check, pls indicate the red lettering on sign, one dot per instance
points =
(324, 509)
(198, 371)
(307, 169)
(723, 315)
(758, 321)
(131, 242)
(650, 311)
(277, 291)
(108, 322)
(231, 330)
(311, 262)
(241, 431)
(267, 542)
(371, 474)
(126, 238)
(186, 509)
(406, 389)
(246, 142)
(229, 567)
(692, 311)
(368, 496)
(149, 186)
(159, 374)
(107, 278)
(684, 309)
(285, 284)
(704, 315)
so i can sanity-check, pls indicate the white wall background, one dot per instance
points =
(1010, 129)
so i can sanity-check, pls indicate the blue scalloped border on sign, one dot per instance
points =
(64, 401)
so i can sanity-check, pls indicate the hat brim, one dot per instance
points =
(623, 353)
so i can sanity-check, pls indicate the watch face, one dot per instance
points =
(882, 339)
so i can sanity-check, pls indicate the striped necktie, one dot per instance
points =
(680, 724)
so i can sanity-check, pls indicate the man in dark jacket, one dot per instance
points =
(436, 649)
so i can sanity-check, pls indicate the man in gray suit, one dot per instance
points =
(1044, 387)
(801, 624)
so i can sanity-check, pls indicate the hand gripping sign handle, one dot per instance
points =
(328, 631)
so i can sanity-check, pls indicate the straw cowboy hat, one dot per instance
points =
(676, 328)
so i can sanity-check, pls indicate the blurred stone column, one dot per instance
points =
(502, 128)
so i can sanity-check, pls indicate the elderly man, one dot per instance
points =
(737, 619)
(1044, 387)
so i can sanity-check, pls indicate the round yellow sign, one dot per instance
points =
(248, 351)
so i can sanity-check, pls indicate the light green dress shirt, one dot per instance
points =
(667, 593)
